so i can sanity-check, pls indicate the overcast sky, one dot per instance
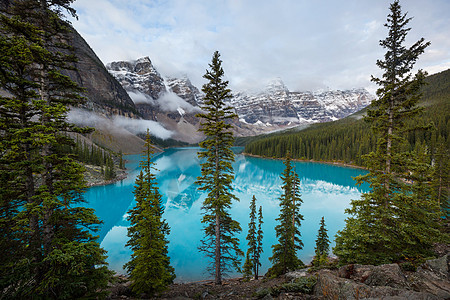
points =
(309, 44)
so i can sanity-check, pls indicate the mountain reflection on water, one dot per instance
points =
(326, 191)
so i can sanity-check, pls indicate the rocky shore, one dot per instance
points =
(94, 176)
(334, 162)
(431, 280)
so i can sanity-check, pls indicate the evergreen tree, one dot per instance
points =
(322, 246)
(110, 172)
(121, 163)
(395, 219)
(259, 248)
(220, 242)
(248, 266)
(149, 267)
(254, 239)
(48, 236)
(440, 179)
(251, 235)
(284, 254)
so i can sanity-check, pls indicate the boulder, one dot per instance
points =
(330, 286)
(387, 275)
(355, 272)
(297, 274)
(433, 277)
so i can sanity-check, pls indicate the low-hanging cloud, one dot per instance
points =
(168, 101)
(140, 126)
(139, 97)
(172, 102)
(84, 117)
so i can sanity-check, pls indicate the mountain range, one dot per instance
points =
(174, 102)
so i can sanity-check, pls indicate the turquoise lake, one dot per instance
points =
(326, 191)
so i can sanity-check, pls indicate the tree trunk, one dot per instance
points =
(389, 150)
(218, 249)
(217, 252)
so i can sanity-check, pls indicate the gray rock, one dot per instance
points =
(356, 272)
(330, 286)
(387, 275)
(433, 277)
(297, 274)
(268, 297)
(440, 265)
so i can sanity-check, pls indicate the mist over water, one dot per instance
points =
(326, 191)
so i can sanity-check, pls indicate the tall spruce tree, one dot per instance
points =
(259, 247)
(440, 177)
(149, 268)
(220, 243)
(322, 246)
(247, 268)
(395, 219)
(48, 235)
(254, 242)
(251, 241)
(284, 254)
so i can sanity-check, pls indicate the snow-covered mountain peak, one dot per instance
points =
(138, 75)
(276, 85)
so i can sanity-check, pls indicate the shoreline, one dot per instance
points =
(121, 175)
(335, 163)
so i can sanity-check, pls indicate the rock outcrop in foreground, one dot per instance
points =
(430, 281)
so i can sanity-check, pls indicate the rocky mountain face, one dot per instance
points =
(171, 102)
(104, 94)
(175, 101)
(279, 106)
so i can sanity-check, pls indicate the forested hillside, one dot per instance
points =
(345, 140)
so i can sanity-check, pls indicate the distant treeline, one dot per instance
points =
(90, 154)
(347, 139)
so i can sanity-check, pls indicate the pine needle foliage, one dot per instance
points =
(254, 241)
(47, 238)
(220, 243)
(284, 254)
(259, 245)
(149, 267)
(247, 268)
(397, 219)
(322, 246)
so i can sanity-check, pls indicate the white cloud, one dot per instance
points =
(172, 102)
(140, 126)
(83, 117)
(309, 44)
(139, 97)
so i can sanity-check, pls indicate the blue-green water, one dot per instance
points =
(326, 191)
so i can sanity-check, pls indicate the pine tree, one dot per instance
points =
(110, 172)
(49, 236)
(259, 248)
(220, 243)
(149, 268)
(248, 266)
(284, 254)
(322, 246)
(440, 179)
(251, 235)
(254, 240)
(395, 219)
(121, 163)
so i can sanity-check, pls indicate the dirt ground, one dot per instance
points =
(230, 289)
